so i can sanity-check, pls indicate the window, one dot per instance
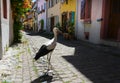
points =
(51, 3)
(86, 10)
(4, 9)
(38, 10)
(66, 1)
(41, 7)
(44, 6)
(56, 1)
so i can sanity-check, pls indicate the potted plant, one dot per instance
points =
(42, 24)
(71, 30)
(58, 26)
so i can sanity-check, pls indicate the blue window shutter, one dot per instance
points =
(73, 17)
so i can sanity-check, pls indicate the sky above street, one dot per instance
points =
(33, 0)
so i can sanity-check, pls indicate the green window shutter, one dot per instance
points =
(73, 17)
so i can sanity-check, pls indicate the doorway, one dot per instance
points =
(51, 23)
(111, 19)
(64, 21)
(114, 19)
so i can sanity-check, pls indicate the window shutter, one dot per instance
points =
(86, 10)
(52, 2)
(49, 3)
(44, 6)
(73, 17)
(83, 9)
(5, 9)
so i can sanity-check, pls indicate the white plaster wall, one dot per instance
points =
(5, 28)
(79, 30)
(94, 27)
(43, 16)
(0, 34)
(54, 11)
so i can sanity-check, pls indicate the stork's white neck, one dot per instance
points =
(55, 35)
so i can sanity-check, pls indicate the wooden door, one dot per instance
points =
(114, 19)
(51, 24)
(64, 21)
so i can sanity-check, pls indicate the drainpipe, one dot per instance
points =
(46, 15)
(76, 29)
(0, 34)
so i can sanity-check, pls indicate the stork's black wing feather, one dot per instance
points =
(42, 51)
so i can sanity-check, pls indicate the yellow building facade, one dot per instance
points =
(68, 13)
(68, 5)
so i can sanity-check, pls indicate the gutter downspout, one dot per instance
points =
(76, 29)
(0, 34)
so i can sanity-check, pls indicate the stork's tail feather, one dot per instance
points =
(42, 52)
(37, 56)
(36, 59)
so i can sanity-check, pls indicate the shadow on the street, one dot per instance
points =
(96, 66)
(42, 33)
(43, 78)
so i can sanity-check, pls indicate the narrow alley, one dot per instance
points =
(86, 51)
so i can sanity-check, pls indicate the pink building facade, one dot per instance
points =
(41, 8)
(97, 21)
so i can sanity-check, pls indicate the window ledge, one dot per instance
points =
(87, 21)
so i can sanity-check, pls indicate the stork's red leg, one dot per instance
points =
(49, 58)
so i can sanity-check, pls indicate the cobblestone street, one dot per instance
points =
(72, 62)
(80, 62)
(59, 41)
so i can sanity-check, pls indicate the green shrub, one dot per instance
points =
(42, 24)
(71, 29)
(17, 34)
(58, 26)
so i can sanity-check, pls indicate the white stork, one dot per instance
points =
(47, 48)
